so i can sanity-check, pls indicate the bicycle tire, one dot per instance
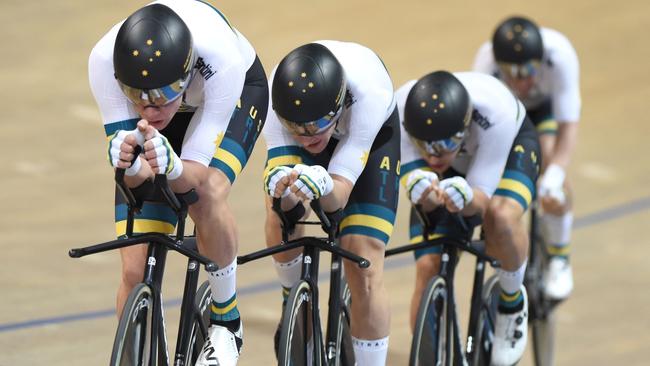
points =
(484, 333)
(297, 329)
(345, 350)
(543, 338)
(540, 310)
(428, 346)
(202, 303)
(132, 343)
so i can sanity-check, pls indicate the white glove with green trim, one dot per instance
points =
(418, 181)
(115, 148)
(273, 177)
(458, 190)
(313, 181)
(167, 161)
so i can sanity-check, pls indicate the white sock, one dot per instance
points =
(370, 352)
(557, 229)
(223, 282)
(511, 282)
(289, 272)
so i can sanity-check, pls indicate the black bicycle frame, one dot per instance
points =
(312, 246)
(158, 246)
(448, 262)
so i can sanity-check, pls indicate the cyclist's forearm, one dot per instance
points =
(567, 135)
(339, 196)
(193, 174)
(143, 174)
(479, 204)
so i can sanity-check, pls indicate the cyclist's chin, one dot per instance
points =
(315, 144)
(160, 124)
(439, 165)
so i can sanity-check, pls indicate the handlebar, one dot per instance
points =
(460, 242)
(184, 249)
(158, 191)
(328, 223)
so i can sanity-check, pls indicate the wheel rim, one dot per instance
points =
(430, 336)
(133, 339)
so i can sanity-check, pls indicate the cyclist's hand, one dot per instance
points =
(277, 181)
(419, 184)
(551, 186)
(121, 148)
(312, 182)
(159, 152)
(458, 193)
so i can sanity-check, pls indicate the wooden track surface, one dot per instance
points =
(56, 189)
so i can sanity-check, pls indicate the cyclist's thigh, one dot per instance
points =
(246, 122)
(546, 126)
(373, 201)
(522, 168)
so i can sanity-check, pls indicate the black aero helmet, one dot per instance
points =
(437, 112)
(517, 40)
(308, 90)
(153, 55)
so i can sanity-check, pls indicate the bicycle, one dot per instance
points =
(301, 339)
(540, 309)
(141, 338)
(436, 336)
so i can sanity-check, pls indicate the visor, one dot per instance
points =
(159, 96)
(312, 128)
(520, 71)
(440, 147)
(319, 126)
(448, 145)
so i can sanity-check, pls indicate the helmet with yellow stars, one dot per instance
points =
(308, 90)
(153, 56)
(437, 113)
(518, 48)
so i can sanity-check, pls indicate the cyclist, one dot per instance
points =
(194, 95)
(468, 148)
(335, 136)
(541, 67)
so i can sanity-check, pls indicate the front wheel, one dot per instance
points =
(132, 343)
(428, 346)
(541, 312)
(198, 333)
(484, 333)
(297, 346)
(344, 348)
(544, 340)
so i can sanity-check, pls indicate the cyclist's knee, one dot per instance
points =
(133, 259)
(215, 187)
(132, 274)
(426, 267)
(212, 191)
(368, 279)
(502, 214)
